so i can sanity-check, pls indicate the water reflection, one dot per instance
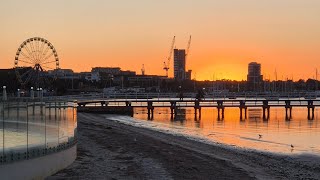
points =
(181, 116)
(254, 114)
(275, 132)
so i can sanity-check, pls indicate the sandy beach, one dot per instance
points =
(111, 150)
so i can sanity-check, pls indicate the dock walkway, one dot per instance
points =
(197, 104)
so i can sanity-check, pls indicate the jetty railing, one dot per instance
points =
(109, 105)
(213, 95)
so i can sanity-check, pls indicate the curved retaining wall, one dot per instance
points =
(39, 168)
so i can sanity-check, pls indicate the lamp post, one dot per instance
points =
(31, 93)
(4, 98)
(180, 94)
(18, 93)
(38, 92)
(41, 93)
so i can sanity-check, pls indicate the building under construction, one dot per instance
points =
(180, 72)
(180, 56)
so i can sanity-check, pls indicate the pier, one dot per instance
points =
(113, 106)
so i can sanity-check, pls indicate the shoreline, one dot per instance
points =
(112, 150)
(165, 128)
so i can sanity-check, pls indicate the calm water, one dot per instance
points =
(277, 133)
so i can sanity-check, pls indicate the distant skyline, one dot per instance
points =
(226, 34)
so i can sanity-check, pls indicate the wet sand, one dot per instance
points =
(112, 150)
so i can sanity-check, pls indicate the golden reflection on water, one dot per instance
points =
(275, 134)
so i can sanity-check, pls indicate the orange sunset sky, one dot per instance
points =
(226, 34)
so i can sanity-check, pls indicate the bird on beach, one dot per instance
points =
(260, 136)
(292, 146)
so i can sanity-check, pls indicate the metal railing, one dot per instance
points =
(212, 95)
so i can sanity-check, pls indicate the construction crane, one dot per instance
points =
(188, 47)
(143, 70)
(167, 64)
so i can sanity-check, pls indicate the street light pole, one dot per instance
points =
(4, 98)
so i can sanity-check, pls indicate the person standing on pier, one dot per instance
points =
(181, 96)
(200, 95)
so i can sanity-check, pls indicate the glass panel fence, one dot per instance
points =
(31, 129)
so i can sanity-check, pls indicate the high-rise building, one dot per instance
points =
(188, 75)
(179, 64)
(254, 77)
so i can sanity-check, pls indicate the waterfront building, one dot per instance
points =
(97, 71)
(179, 64)
(108, 70)
(146, 81)
(63, 74)
(254, 77)
(188, 75)
(98, 74)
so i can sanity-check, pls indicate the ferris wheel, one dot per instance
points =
(34, 58)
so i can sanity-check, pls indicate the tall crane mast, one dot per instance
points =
(167, 64)
(188, 47)
(187, 54)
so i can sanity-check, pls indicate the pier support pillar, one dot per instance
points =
(266, 113)
(104, 103)
(171, 112)
(289, 113)
(242, 108)
(220, 107)
(288, 110)
(197, 116)
(150, 110)
(197, 108)
(266, 110)
(128, 103)
(150, 113)
(310, 110)
(173, 109)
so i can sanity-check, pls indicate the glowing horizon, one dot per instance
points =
(227, 35)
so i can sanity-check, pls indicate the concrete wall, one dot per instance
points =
(39, 168)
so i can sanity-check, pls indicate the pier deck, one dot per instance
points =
(220, 104)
